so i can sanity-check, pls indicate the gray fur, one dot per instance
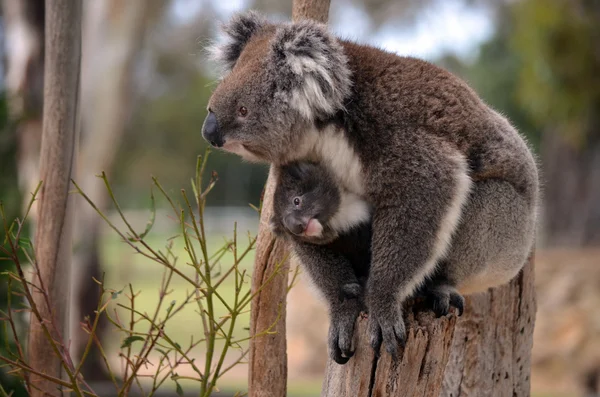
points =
(311, 67)
(337, 263)
(237, 33)
(453, 186)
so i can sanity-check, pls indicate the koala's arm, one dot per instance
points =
(334, 277)
(331, 272)
(418, 189)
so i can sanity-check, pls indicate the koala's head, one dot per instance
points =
(280, 79)
(305, 199)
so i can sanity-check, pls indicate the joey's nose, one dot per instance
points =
(296, 226)
(210, 131)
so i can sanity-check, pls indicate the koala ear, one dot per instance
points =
(276, 227)
(237, 34)
(311, 67)
(298, 170)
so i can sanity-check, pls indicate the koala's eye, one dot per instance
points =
(243, 111)
(297, 202)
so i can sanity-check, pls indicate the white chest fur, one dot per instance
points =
(353, 211)
(331, 148)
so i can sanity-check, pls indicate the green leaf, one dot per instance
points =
(130, 339)
(116, 294)
(178, 389)
(25, 242)
(161, 351)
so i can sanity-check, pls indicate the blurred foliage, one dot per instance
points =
(165, 139)
(10, 198)
(541, 68)
(558, 44)
(494, 74)
(378, 13)
(165, 134)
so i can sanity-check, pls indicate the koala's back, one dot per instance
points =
(394, 95)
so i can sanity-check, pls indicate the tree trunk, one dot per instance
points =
(58, 150)
(486, 352)
(311, 9)
(267, 369)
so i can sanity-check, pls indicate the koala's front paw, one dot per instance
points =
(387, 326)
(341, 330)
(441, 297)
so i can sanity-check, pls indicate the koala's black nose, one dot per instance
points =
(210, 131)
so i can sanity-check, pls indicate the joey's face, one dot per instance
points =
(305, 201)
(279, 79)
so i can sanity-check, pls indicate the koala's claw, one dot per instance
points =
(339, 355)
(341, 330)
(440, 298)
(387, 330)
(458, 302)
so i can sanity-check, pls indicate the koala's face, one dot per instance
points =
(279, 80)
(305, 200)
(246, 115)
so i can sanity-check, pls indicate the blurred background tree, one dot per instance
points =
(20, 132)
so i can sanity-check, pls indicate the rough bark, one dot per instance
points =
(58, 150)
(267, 367)
(311, 9)
(486, 352)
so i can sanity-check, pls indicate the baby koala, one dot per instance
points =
(330, 234)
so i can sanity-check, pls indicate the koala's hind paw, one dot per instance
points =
(341, 330)
(441, 297)
(388, 329)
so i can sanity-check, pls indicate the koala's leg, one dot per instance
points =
(418, 192)
(334, 276)
(493, 240)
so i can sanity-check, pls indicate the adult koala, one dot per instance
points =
(454, 188)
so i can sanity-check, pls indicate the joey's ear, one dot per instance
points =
(311, 68)
(237, 34)
(276, 227)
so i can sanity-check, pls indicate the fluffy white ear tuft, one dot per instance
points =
(311, 68)
(237, 33)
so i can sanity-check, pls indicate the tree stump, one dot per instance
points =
(486, 352)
